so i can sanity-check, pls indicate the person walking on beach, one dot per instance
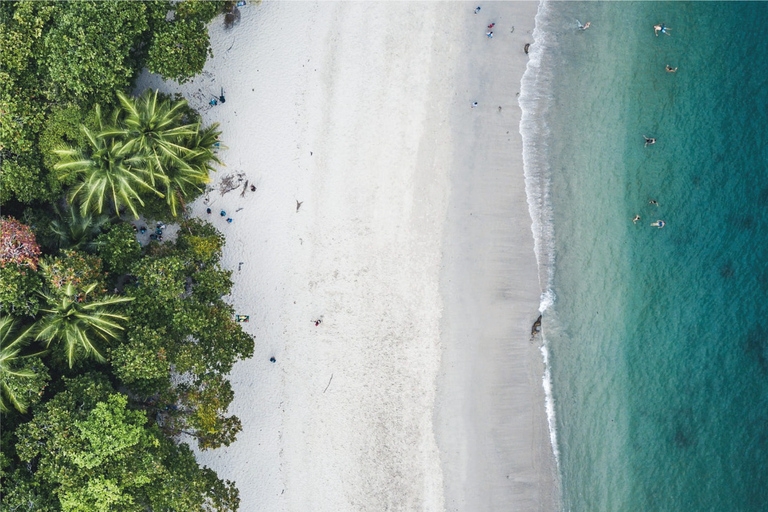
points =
(670, 69)
(649, 141)
(491, 25)
(489, 35)
(660, 28)
(477, 9)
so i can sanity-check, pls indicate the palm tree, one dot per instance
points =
(193, 171)
(80, 324)
(153, 128)
(74, 230)
(113, 172)
(20, 376)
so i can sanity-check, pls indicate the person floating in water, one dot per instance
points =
(649, 141)
(653, 202)
(658, 224)
(637, 218)
(670, 69)
(660, 28)
(584, 26)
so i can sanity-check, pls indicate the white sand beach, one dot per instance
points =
(394, 212)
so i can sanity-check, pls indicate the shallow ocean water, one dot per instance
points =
(657, 338)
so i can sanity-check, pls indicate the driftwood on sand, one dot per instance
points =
(536, 328)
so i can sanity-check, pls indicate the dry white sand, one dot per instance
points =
(420, 389)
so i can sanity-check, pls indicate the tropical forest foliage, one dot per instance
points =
(114, 355)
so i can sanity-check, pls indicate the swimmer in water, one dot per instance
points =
(584, 26)
(670, 69)
(653, 202)
(637, 218)
(658, 224)
(649, 141)
(660, 28)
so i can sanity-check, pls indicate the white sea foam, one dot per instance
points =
(535, 99)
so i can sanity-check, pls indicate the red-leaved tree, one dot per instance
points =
(17, 244)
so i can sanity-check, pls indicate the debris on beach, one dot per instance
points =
(536, 328)
(231, 182)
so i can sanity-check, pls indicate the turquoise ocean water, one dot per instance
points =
(656, 339)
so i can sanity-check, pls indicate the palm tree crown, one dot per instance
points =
(146, 147)
(153, 129)
(74, 230)
(111, 172)
(20, 376)
(78, 324)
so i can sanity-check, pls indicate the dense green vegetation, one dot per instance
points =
(113, 355)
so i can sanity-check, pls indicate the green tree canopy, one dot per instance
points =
(20, 288)
(61, 58)
(74, 272)
(118, 248)
(97, 454)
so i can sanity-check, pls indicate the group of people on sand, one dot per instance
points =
(659, 28)
(488, 34)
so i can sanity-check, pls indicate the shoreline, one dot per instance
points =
(490, 415)
(358, 134)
